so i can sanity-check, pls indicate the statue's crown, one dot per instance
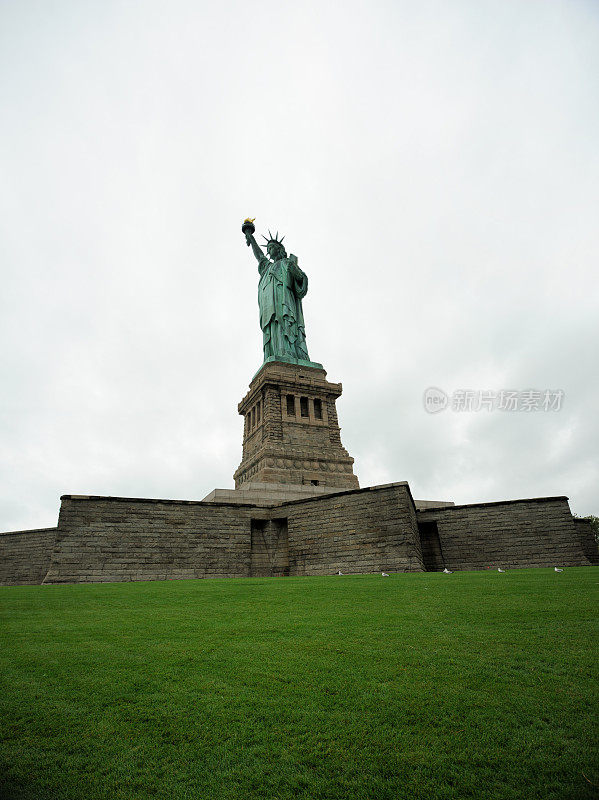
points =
(273, 239)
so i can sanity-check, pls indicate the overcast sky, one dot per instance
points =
(433, 165)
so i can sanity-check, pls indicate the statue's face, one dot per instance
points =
(275, 250)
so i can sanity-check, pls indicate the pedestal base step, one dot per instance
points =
(267, 494)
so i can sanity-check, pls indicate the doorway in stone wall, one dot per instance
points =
(432, 554)
(270, 548)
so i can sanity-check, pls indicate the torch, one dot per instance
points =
(248, 228)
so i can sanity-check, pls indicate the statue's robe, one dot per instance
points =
(280, 291)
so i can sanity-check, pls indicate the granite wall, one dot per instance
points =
(356, 531)
(588, 543)
(127, 539)
(364, 530)
(123, 539)
(25, 555)
(539, 532)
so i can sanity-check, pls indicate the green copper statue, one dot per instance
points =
(281, 288)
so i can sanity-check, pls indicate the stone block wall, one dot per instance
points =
(364, 530)
(588, 543)
(270, 548)
(121, 539)
(520, 533)
(25, 556)
(356, 531)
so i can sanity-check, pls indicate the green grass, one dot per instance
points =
(471, 685)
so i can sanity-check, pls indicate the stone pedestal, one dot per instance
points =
(291, 433)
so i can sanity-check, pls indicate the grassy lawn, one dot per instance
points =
(471, 685)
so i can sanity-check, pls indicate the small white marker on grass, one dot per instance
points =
(447, 571)
(557, 569)
(385, 574)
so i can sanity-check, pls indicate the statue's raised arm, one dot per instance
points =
(248, 228)
(280, 291)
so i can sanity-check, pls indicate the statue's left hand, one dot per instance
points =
(295, 270)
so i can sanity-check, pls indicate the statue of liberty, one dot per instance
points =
(281, 288)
